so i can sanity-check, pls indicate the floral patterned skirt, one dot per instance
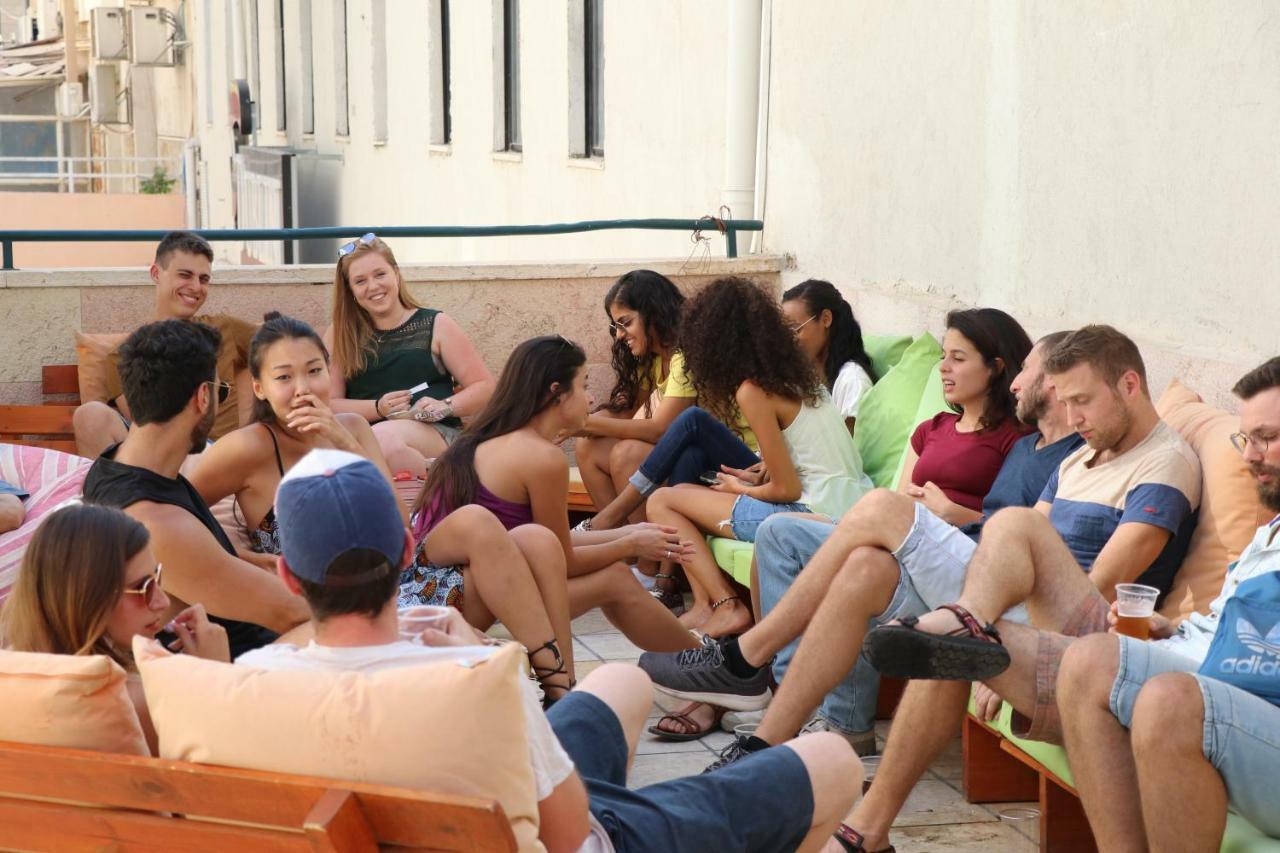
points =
(424, 582)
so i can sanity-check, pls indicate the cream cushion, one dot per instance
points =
(93, 354)
(76, 701)
(1230, 512)
(443, 727)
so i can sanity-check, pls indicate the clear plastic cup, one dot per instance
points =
(415, 620)
(1135, 604)
(745, 729)
(870, 764)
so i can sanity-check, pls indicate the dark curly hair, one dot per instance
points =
(734, 331)
(996, 336)
(658, 304)
(844, 341)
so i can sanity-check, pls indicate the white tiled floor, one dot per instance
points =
(936, 816)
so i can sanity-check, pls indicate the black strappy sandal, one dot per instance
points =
(854, 842)
(972, 652)
(542, 673)
(669, 596)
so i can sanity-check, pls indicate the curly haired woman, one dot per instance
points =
(810, 464)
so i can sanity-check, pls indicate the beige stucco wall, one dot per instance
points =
(498, 305)
(86, 211)
(1068, 162)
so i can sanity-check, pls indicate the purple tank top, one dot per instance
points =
(510, 513)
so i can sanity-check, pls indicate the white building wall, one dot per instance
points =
(1068, 162)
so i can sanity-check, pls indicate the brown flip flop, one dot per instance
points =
(693, 732)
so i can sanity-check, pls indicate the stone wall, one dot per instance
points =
(498, 305)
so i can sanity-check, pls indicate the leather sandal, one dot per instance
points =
(692, 732)
(543, 673)
(972, 652)
(854, 842)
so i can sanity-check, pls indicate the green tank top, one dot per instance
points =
(399, 359)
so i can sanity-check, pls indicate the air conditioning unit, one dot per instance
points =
(109, 34)
(70, 100)
(151, 36)
(107, 103)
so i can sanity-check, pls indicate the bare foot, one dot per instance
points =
(732, 617)
(695, 616)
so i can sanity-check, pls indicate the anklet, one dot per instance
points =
(716, 604)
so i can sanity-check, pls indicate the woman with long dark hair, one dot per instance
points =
(649, 389)
(809, 463)
(88, 584)
(507, 462)
(831, 337)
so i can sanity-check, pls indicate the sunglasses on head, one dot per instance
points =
(348, 248)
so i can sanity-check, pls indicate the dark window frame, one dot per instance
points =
(593, 77)
(511, 136)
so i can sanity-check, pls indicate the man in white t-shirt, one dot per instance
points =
(343, 547)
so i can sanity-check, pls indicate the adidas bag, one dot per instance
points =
(1245, 652)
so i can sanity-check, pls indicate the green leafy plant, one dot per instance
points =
(159, 183)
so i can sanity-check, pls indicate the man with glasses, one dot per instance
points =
(168, 373)
(181, 273)
(1159, 751)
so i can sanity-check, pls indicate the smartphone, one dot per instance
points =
(710, 477)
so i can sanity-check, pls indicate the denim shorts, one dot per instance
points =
(763, 802)
(748, 513)
(1241, 731)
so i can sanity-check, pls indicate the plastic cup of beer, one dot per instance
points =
(1135, 603)
(415, 620)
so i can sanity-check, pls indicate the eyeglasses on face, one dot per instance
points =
(619, 327)
(1240, 441)
(795, 330)
(149, 588)
(224, 389)
(348, 248)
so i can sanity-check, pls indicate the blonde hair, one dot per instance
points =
(352, 326)
(71, 578)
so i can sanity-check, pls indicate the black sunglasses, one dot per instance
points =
(224, 389)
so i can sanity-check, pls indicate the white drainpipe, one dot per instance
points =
(742, 108)
(762, 124)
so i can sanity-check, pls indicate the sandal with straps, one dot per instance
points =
(691, 732)
(668, 596)
(972, 652)
(542, 673)
(854, 842)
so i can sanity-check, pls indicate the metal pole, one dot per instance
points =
(6, 255)
(731, 242)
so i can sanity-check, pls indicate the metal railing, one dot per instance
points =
(728, 227)
(63, 170)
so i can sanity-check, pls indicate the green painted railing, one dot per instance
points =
(728, 227)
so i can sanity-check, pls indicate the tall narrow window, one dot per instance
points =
(305, 31)
(438, 55)
(282, 89)
(378, 52)
(255, 57)
(593, 75)
(511, 74)
(341, 111)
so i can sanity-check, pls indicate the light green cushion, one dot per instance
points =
(885, 350)
(887, 414)
(733, 557)
(1243, 837)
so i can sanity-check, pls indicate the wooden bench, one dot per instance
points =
(48, 425)
(135, 803)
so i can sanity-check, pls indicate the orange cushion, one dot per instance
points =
(1230, 512)
(98, 379)
(443, 727)
(76, 701)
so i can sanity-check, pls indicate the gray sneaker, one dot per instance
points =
(700, 675)
(863, 743)
(738, 749)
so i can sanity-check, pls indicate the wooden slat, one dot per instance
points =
(579, 500)
(36, 420)
(990, 774)
(398, 816)
(1064, 827)
(337, 825)
(31, 825)
(60, 379)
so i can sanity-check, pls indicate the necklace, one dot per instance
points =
(379, 335)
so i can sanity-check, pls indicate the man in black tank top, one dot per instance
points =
(168, 373)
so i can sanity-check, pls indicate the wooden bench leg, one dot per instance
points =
(889, 696)
(1063, 825)
(992, 775)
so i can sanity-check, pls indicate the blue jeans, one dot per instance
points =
(1241, 731)
(784, 546)
(695, 442)
(762, 803)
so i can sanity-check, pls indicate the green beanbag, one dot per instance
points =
(885, 350)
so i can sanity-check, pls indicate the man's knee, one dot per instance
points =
(11, 513)
(1168, 713)
(1088, 670)
(869, 574)
(1015, 521)
(93, 418)
(835, 772)
(874, 505)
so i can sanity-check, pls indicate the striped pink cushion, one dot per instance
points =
(52, 478)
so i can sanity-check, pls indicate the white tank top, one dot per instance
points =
(831, 475)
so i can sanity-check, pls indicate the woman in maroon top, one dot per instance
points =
(956, 455)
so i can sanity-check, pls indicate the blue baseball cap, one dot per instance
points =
(332, 502)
